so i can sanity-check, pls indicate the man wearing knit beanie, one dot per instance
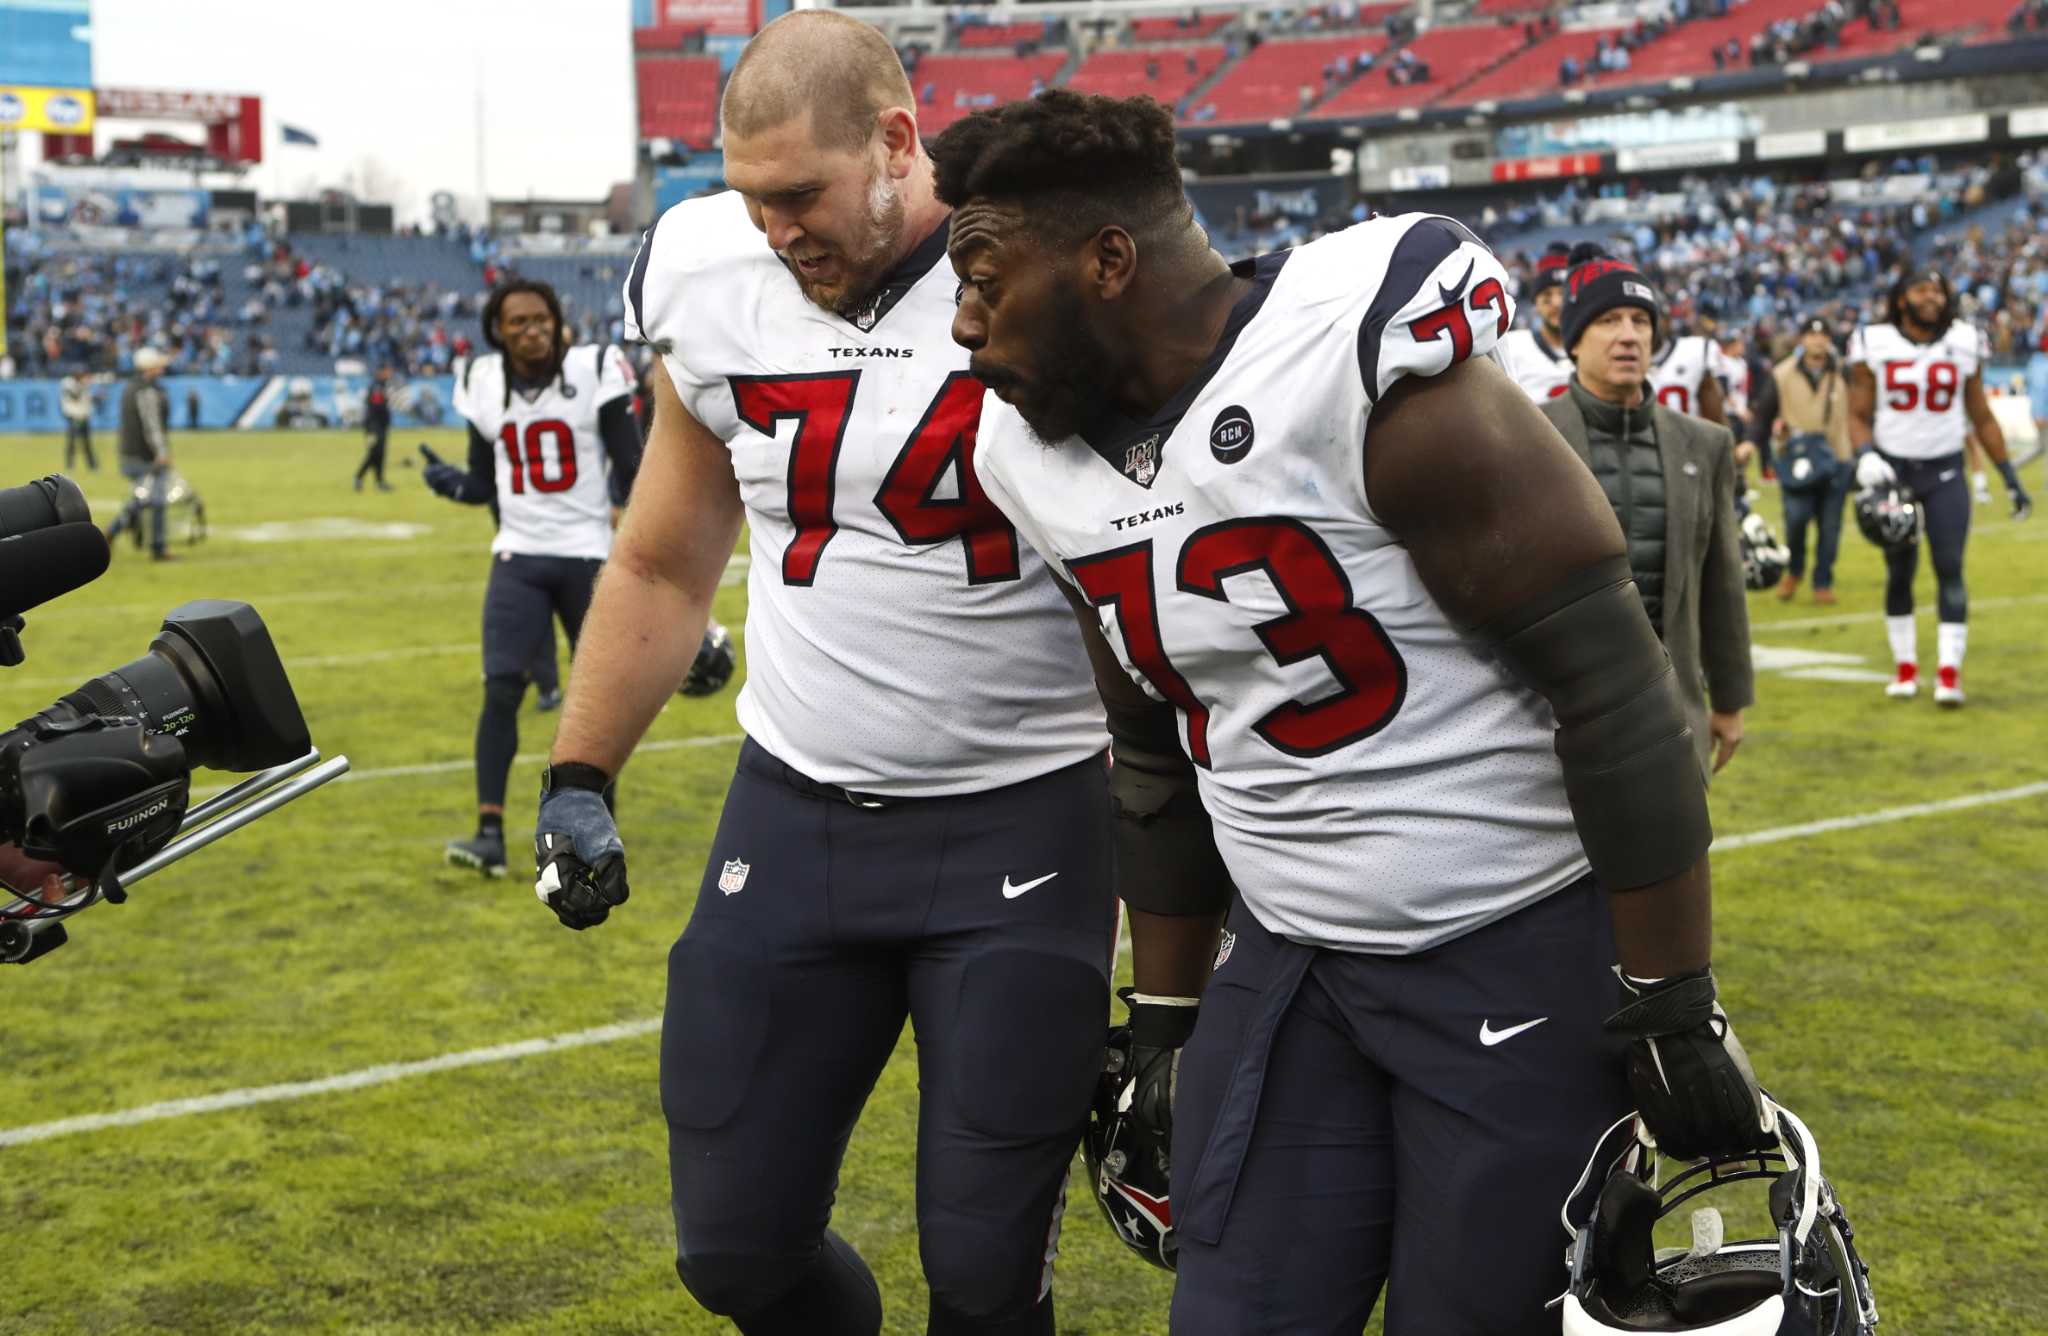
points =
(1535, 356)
(1684, 548)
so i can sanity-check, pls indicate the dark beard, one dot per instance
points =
(1077, 373)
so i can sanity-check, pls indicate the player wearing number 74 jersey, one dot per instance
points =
(919, 824)
(1916, 387)
(1387, 618)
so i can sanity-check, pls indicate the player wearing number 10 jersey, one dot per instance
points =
(1916, 388)
(1383, 615)
(919, 822)
(551, 445)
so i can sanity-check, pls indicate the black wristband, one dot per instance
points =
(573, 775)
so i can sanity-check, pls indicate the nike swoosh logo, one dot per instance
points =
(1490, 1036)
(1012, 892)
(1451, 292)
(1946, 474)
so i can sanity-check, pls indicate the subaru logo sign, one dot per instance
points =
(12, 109)
(64, 109)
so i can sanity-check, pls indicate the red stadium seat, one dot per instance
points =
(959, 84)
(678, 98)
(1124, 73)
(1452, 54)
(1532, 71)
(1267, 82)
(1165, 29)
(989, 36)
(668, 37)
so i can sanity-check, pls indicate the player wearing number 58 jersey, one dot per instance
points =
(1340, 566)
(919, 822)
(1916, 389)
(551, 444)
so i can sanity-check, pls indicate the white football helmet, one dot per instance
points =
(1808, 1281)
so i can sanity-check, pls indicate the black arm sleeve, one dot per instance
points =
(1166, 857)
(1630, 772)
(621, 436)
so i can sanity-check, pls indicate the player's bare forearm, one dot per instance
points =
(1171, 954)
(647, 619)
(1983, 421)
(1862, 407)
(1713, 403)
(1514, 539)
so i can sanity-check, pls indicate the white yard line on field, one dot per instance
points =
(386, 1073)
(1765, 626)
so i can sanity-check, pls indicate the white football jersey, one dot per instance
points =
(1920, 386)
(899, 642)
(1376, 782)
(549, 458)
(1676, 374)
(1538, 365)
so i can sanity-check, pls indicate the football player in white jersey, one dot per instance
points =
(1685, 377)
(1386, 614)
(920, 823)
(1916, 388)
(551, 436)
(1535, 355)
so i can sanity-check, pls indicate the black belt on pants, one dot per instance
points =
(758, 760)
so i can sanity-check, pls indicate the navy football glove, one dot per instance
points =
(2022, 504)
(581, 860)
(1693, 1085)
(442, 477)
(1158, 1031)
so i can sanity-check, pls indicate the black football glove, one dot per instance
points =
(581, 860)
(2022, 504)
(442, 477)
(1693, 1086)
(1158, 1030)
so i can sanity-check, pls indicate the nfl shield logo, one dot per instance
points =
(1223, 951)
(734, 877)
(1141, 461)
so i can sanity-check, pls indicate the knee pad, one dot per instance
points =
(977, 1291)
(1034, 1321)
(1031, 1079)
(1952, 599)
(503, 693)
(735, 1284)
(830, 1294)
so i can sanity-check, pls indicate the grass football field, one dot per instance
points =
(1887, 976)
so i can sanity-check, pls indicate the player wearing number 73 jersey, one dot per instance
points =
(1388, 615)
(1916, 388)
(919, 822)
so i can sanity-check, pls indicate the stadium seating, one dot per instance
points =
(1163, 29)
(1493, 9)
(1453, 56)
(669, 37)
(678, 98)
(948, 87)
(990, 36)
(1688, 49)
(1267, 82)
(1127, 72)
(1532, 71)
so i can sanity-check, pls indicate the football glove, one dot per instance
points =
(581, 860)
(1693, 1085)
(1873, 471)
(1158, 1030)
(2022, 504)
(442, 477)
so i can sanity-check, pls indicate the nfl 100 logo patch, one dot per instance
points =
(1141, 461)
(1223, 950)
(733, 878)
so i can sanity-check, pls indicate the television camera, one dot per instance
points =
(100, 782)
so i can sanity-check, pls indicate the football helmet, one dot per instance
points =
(1764, 558)
(1888, 516)
(714, 663)
(1127, 1165)
(1807, 1281)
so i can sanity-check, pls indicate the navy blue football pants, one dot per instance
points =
(989, 921)
(1346, 1122)
(1944, 497)
(524, 598)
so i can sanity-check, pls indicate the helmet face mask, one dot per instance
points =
(1807, 1281)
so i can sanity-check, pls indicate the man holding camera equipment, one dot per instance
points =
(544, 417)
(146, 451)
